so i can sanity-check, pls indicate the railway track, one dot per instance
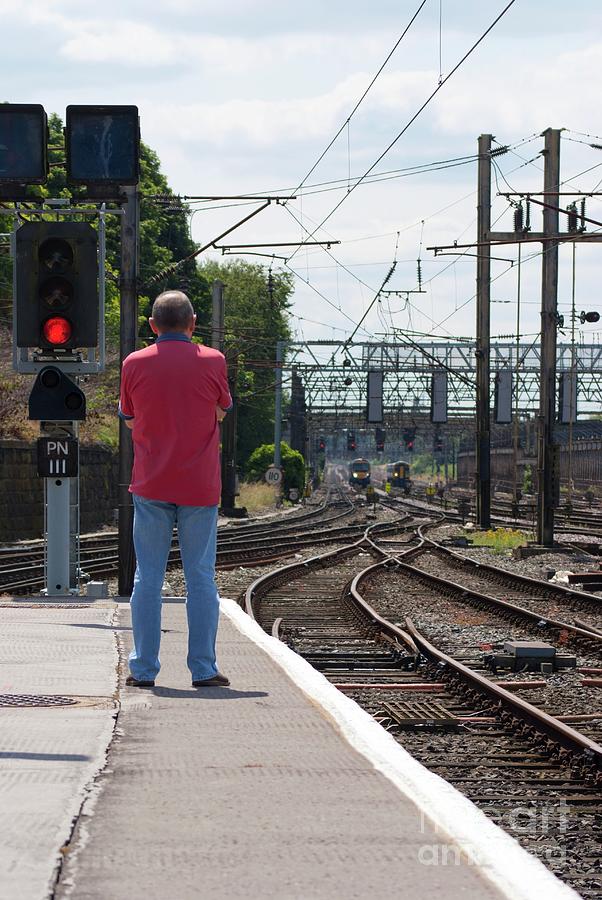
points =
(545, 599)
(582, 521)
(534, 773)
(336, 520)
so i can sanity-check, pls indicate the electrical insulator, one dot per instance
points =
(572, 217)
(419, 274)
(583, 214)
(528, 216)
(518, 217)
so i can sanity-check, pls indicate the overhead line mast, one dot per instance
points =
(550, 237)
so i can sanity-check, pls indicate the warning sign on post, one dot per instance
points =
(57, 457)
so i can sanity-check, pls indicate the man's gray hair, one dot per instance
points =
(172, 310)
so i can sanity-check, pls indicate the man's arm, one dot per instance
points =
(129, 420)
(126, 409)
(224, 402)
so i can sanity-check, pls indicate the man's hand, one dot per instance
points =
(220, 413)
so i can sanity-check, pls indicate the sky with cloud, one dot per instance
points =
(243, 97)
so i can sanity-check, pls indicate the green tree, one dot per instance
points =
(292, 463)
(256, 317)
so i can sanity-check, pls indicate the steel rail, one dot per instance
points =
(230, 553)
(563, 734)
(551, 726)
(260, 585)
(511, 609)
(525, 580)
(410, 638)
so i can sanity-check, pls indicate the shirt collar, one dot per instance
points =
(172, 336)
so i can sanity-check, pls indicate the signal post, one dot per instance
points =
(58, 293)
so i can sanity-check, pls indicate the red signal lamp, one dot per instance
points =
(57, 331)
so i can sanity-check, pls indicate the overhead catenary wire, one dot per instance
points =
(413, 118)
(309, 284)
(363, 96)
(335, 184)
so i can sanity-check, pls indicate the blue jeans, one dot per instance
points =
(154, 522)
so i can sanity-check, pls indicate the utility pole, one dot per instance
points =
(278, 405)
(546, 450)
(228, 504)
(297, 413)
(217, 314)
(483, 448)
(128, 331)
(550, 237)
(228, 426)
(217, 342)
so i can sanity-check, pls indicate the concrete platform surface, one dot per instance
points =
(49, 755)
(277, 787)
(255, 791)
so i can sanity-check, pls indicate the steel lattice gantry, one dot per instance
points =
(334, 374)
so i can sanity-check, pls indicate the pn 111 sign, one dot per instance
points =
(57, 457)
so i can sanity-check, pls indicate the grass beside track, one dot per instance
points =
(257, 497)
(499, 540)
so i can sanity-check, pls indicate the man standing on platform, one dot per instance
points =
(173, 396)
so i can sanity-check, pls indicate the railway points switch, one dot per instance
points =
(530, 656)
(530, 649)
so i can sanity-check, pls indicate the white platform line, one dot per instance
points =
(456, 819)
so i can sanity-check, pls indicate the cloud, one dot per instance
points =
(265, 123)
(134, 43)
(128, 43)
(530, 96)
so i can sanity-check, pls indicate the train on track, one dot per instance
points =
(398, 475)
(359, 473)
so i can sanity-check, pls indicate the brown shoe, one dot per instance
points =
(217, 680)
(134, 682)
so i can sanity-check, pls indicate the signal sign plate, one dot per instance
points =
(273, 475)
(57, 457)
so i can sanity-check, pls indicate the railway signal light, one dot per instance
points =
(56, 286)
(374, 413)
(589, 317)
(439, 397)
(321, 444)
(23, 139)
(102, 144)
(380, 440)
(351, 445)
(437, 444)
(55, 398)
(408, 439)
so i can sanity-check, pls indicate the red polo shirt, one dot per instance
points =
(170, 390)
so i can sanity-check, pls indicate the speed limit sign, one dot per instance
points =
(273, 475)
